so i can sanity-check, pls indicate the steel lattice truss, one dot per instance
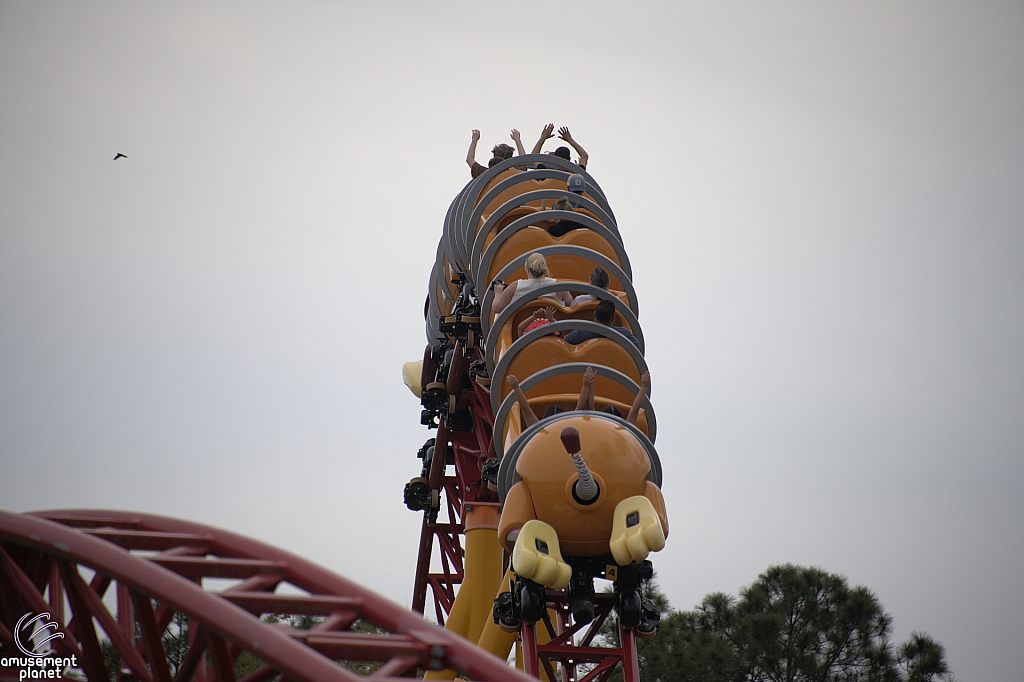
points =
(150, 569)
(572, 645)
(465, 450)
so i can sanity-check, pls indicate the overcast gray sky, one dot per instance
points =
(822, 203)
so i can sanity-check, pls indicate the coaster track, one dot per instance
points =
(134, 575)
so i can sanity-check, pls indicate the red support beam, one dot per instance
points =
(258, 603)
(630, 663)
(562, 647)
(95, 609)
(151, 644)
(98, 585)
(602, 672)
(56, 594)
(191, 664)
(197, 568)
(349, 646)
(24, 588)
(92, 661)
(151, 541)
(125, 617)
(548, 669)
(528, 634)
(399, 666)
(222, 663)
(419, 595)
(224, 629)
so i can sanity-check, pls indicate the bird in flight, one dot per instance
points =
(120, 156)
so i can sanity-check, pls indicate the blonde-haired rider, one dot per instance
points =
(537, 271)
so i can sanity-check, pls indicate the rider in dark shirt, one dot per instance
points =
(603, 314)
(561, 227)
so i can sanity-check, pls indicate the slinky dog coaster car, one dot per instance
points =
(536, 510)
(585, 484)
(582, 487)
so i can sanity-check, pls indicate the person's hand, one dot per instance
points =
(645, 381)
(514, 135)
(588, 377)
(476, 135)
(548, 132)
(549, 312)
(512, 381)
(563, 133)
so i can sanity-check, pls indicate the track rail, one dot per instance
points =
(136, 575)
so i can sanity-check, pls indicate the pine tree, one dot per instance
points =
(792, 624)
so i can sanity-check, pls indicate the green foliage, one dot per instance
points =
(175, 641)
(793, 624)
(921, 659)
(297, 622)
(693, 645)
(803, 623)
(111, 658)
(246, 663)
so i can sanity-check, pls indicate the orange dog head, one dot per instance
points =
(617, 461)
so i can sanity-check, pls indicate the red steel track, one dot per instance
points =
(152, 568)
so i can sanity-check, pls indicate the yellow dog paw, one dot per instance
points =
(536, 556)
(636, 530)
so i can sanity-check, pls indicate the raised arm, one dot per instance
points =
(471, 154)
(586, 399)
(563, 133)
(537, 314)
(548, 132)
(519, 142)
(529, 417)
(638, 401)
(546, 312)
